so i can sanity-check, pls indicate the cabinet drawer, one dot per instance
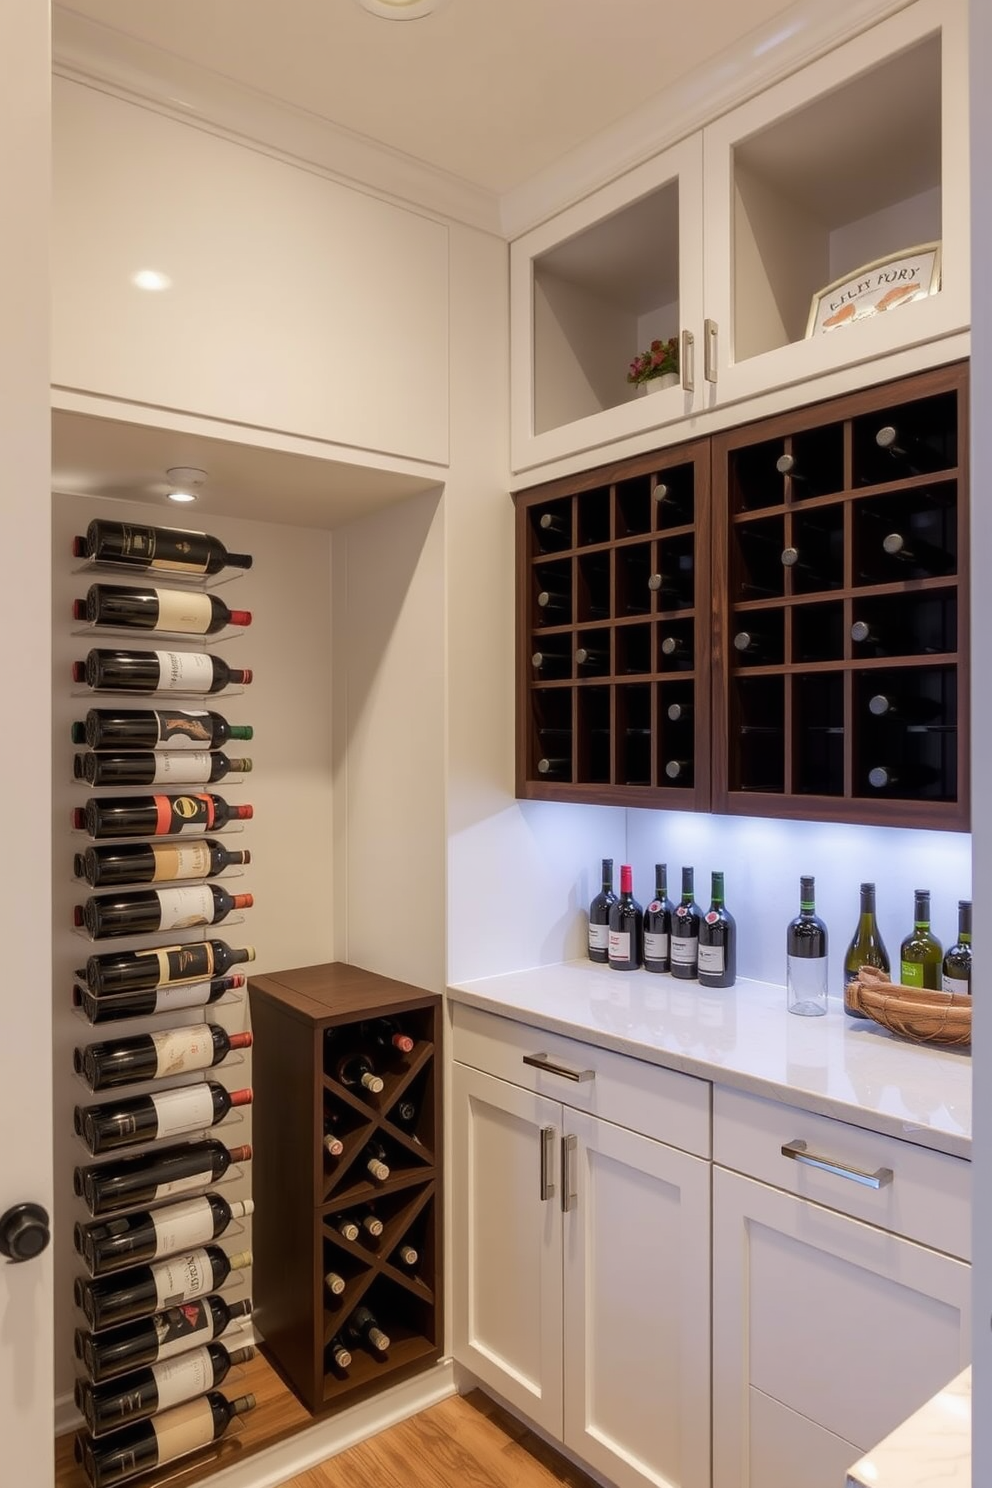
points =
(656, 1102)
(927, 1198)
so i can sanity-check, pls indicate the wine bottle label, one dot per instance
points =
(957, 984)
(189, 1223)
(188, 730)
(183, 1110)
(180, 552)
(183, 1277)
(619, 944)
(183, 963)
(187, 671)
(192, 861)
(183, 814)
(186, 612)
(182, 995)
(655, 946)
(712, 959)
(911, 973)
(187, 1184)
(182, 1049)
(685, 950)
(180, 1327)
(183, 1378)
(185, 767)
(181, 908)
(599, 937)
(183, 1429)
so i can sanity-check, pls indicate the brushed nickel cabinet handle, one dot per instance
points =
(688, 362)
(568, 1193)
(710, 333)
(547, 1162)
(797, 1150)
(544, 1062)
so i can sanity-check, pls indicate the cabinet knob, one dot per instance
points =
(24, 1232)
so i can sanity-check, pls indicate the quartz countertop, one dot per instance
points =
(933, 1446)
(742, 1036)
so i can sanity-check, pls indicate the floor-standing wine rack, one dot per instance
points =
(772, 622)
(306, 1020)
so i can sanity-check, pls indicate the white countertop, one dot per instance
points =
(743, 1036)
(933, 1446)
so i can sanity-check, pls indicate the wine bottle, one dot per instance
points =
(679, 712)
(685, 931)
(553, 663)
(553, 602)
(153, 1056)
(346, 1225)
(362, 1328)
(370, 1226)
(333, 1145)
(135, 971)
(114, 1244)
(554, 523)
(157, 671)
(387, 1034)
(598, 942)
(554, 767)
(626, 947)
(373, 1159)
(903, 779)
(407, 1256)
(118, 606)
(921, 954)
(340, 1356)
(717, 950)
(676, 510)
(335, 1284)
(658, 924)
(956, 970)
(181, 767)
(912, 454)
(673, 646)
(753, 644)
(404, 1114)
(787, 465)
(667, 589)
(148, 1118)
(679, 771)
(117, 1005)
(593, 659)
(815, 577)
(357, 1072)
(150, 1177)
(136, 1396)
(151, 862)
(164, 549)
(159, 728)
(148, 910)
(867, 947)
(806, 957)
(138, 1449)
(184, 1324)
(156, 816)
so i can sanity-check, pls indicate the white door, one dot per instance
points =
(26, 1290)
(637, 1306)
(827, 1334)
(507, 1242)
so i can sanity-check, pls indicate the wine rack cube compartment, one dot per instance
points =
(303, 1019)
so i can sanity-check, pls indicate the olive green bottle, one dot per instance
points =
(867, 947)
(957, 962)
(922, 955)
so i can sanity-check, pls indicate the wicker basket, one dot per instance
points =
(917, 1013)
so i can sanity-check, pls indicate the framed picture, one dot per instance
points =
(876, 288)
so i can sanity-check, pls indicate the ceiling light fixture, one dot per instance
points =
(184, 481)
(400, 10)
(151, 279)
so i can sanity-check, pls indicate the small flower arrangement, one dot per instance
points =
(661, 357)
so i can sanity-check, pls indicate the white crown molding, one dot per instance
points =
(88, 52)
(798, 35)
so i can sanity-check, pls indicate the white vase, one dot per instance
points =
(655, 384)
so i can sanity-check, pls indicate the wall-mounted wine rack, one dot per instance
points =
(307, 1020)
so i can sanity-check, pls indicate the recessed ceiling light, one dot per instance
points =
(151, 279)
(184, 482)
(182, 495)
(400, 10)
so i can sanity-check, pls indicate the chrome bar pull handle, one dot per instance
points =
(568, 1191)
(688, 362)
(547, 1162)
(710, 333)
(544, 1062)
(797, 1150)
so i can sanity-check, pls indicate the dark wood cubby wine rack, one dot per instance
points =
(778, 690)
(297, 1016)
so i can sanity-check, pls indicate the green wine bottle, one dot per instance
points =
(957, 963)
(921, 956)
(867, 947)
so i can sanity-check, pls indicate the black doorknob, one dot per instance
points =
(24, 1232)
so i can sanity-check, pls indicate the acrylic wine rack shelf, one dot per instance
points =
(772, 622)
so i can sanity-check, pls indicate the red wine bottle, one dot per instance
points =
(156, 816)
(340, 1356)
(335, 1284)
(178, 767)
(134, 971)
(598, 946)
(404, 1114)
(386, 1034)
(363, 1329)
(117, 1005)
(373, 1159)
(164, 729)
(346, 1225)
(357, 1071)
(151, 862)
(658, 924)
(626, 951)
(118, 606)
(164, 549)
(158, 1387)
(407, 1256)
(333, 1145)
(148, 910)
(157, 671)
(153, 1056)
(685, 931)
(150, 1177)
(175, 1433)
(370, 1226)
(148, 1118)
(183, 1280)
(114, 1244)
(717, 956)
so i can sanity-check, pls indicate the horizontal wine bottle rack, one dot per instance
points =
(816, 665)
(304, 1021)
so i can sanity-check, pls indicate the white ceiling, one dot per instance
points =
(490, 91)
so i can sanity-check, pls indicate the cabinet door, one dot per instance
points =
(637, 1307)
(507, 1242)
(802, 190)
(827, 1334)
